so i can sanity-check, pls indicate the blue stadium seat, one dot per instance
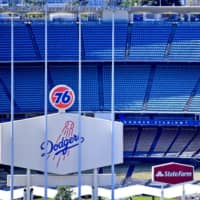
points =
(29, 89)
(62, 41)
(130, 85)
(186, 43)
(98, 41)
(194, 106)
(172, 86)
(5, 89)
(5, 44)
(90, 88)
(149, 41)
(23, 48)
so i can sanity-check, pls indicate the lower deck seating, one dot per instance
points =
(174, 142)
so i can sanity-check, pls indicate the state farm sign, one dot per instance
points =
(172, 173)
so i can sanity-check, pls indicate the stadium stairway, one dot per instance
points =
(170, 40)
(128, 39)
(33, 39)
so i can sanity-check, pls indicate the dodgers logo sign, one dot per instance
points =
(62, 97)
(60, 148)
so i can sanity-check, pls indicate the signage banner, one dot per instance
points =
(173, 173)
(62, 97)
(95, 141)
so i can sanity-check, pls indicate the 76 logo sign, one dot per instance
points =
(62, 97)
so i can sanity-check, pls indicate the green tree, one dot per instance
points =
(64, 193)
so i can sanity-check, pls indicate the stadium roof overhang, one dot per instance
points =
(75, 9)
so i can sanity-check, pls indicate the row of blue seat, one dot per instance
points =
(143, 42)
(172, 142)
(172, 88)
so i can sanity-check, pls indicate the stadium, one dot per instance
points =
(143, 72)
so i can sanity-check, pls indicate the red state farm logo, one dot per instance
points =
(173, 173)
(62, 97)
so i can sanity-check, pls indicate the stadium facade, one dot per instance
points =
(156, 78)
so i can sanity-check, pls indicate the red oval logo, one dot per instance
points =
(62, 97)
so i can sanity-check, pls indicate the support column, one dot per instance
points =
(95, 185)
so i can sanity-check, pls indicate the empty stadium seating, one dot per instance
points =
(149, 41)
(173, 142)
(140, 41)
(62, 41)
(5, 44)
(130, 85)
(186, 43)
(28, 96)
(23, 48)
(29, 87)
(156, 70)
(193, 146)
(171, 89)
(145, 141)
(69, 75)
(172, 86)
(5, 89)
(98, 41)
(129, 139)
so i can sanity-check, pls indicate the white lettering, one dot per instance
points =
(177, 174)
